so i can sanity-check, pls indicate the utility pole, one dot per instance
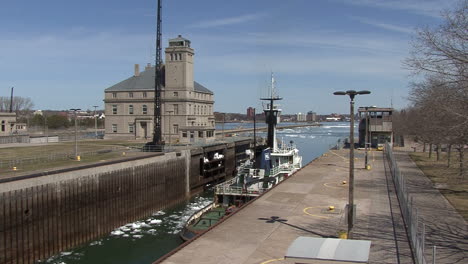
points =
(46, 128)
(11, 100)
(95, 121)
(76, 133)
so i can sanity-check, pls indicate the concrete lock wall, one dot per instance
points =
(41, 216)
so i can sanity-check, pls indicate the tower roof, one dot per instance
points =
(179, 42)
(145, 81)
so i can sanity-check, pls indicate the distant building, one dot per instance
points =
(250, 113)
(311, 116)
(187, 106)
(300, 117)
(9, 126)
(379, 125)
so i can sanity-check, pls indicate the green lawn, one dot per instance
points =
(59, 155)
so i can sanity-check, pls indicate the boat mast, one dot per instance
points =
(271, 115)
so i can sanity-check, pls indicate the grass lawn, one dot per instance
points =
(56, 155)
(446, 180)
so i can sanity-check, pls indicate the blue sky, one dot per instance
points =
(63, 54)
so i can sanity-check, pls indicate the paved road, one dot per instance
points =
(255, 234)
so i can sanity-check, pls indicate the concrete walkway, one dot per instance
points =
(445, 228)
(263, 230)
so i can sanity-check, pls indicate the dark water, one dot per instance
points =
(146, 240)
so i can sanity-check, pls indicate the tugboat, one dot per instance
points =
(268, 165)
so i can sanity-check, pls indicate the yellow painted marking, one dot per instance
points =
(345, 159)
(320, 216)
(272, 260)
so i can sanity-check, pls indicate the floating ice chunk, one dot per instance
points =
(155, 221)
(137, 236)
(135, 231)
(117, 233)
(66, 253)
(95, 243)
(125, 229)
(144, 225)
(160, 213)
(136, 225)
(126, 235)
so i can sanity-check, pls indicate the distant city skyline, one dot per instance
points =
(66, 54)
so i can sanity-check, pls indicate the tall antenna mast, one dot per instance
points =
(11, 100)
(157, 135)
(271, 115)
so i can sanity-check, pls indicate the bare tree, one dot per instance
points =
(443, 51)
(21, 105)
(440, 55)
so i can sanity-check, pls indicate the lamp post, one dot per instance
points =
(255, 131)
(224, 121)
(76, 132)
(365, 137)
(95, 121)
(351, 94)
(170, 132)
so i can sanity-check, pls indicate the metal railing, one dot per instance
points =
(228, 187)
(410, 212)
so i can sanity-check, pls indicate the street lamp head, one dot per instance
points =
(339, 93)
(363, 92)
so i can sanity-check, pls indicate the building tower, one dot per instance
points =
(179, 65)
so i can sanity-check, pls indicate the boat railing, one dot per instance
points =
(228, 187)
(199, 213)
(285, 168)
(286, 148)
(235, 190)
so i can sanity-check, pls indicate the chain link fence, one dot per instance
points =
(416, 227)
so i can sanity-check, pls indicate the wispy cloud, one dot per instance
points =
(431, 8)
(386, 26)
(329, 40)
(227, 21)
